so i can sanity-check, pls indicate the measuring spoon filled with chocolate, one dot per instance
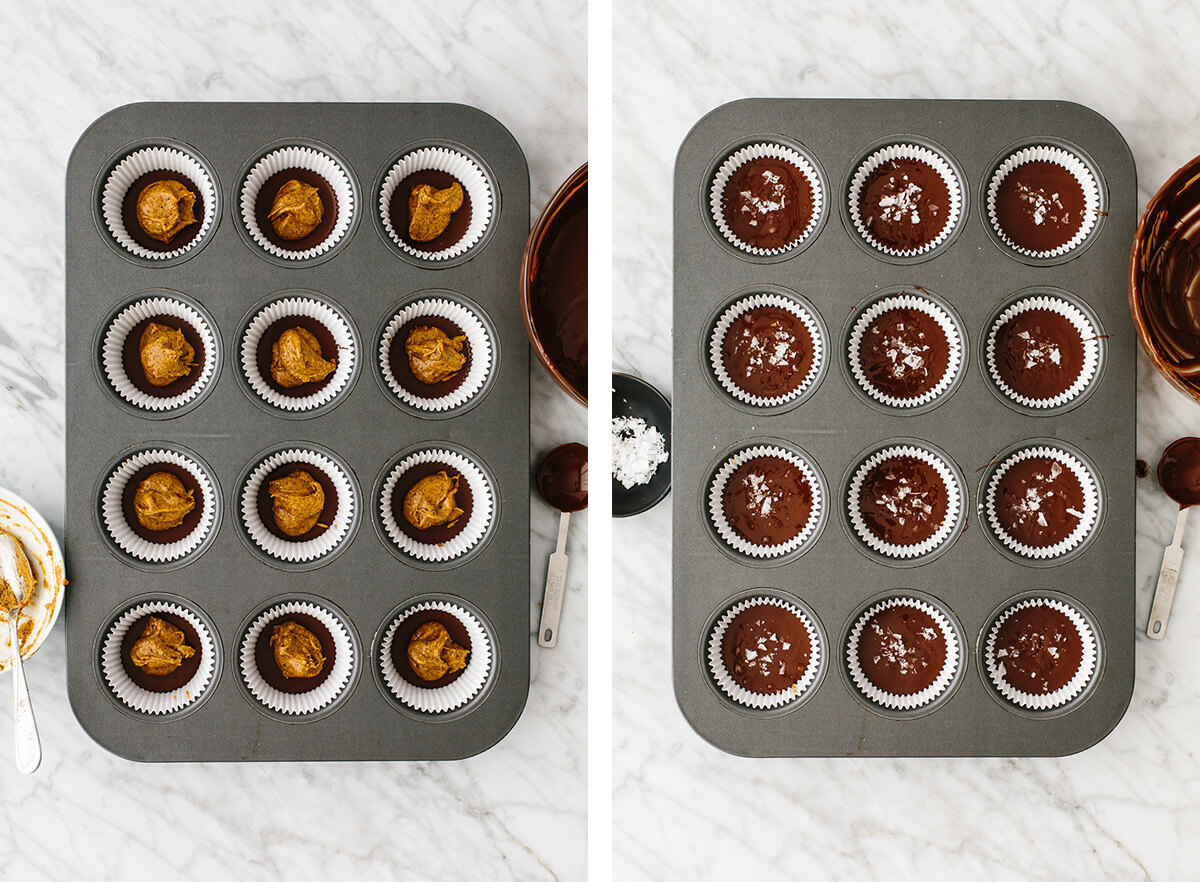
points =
(1179, 477)
(562, 481)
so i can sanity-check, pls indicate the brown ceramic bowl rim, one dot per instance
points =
(566, 194)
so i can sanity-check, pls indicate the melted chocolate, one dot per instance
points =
(768, 351)
(404, 632)
(767, 203)
(903, 500)
(162, 682)
(264, 655)
(904, 353)
(1039, 206)
(190, 521)
(1039, 354)
(768, 500)
(562, 477)
(131, 357)
(443, 533)
(1039, 501)
(559, 294)
(1179, 471)
(400, 217)
(1038, 650)
(766, 649)
(266, 198)
(266, 512)
(1141, 468)
(901, 650)
(129, 211)
(904, 204)
(402, 370)
(266, 343)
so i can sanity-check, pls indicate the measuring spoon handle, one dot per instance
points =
(1168, 578)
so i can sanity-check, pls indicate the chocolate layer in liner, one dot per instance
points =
(901, 650)
(129, 211)
(768, 500)
(904, 352)
(1039, 501)
(165, 682)
(1038, 649)
(463, 498)
(403, 634)
(131, 358)
(266, 504)
(768, 351)
(190, 521)
(766, 649)
(264, 654)
(1040, 206)
(264, 355)
(1038, 353)
(904, 204)
(903, 500)
(402, 370)
(266, 198)
(398, 210)
(767, 203)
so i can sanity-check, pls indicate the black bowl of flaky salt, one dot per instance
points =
(641, 445)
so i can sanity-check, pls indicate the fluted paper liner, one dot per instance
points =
(143, 161)
(477, 337)
(472, 532)
(464, 170)
(297, 704)
(333, 321)
(463, 688)
(144, 700)
(743, 696)
(954, 361)
(929, 693)
(1087, 520)
(113, 513)
(298, 157)
(716, 502)
(764, 150)
(291, 550)
(113, 352)
(716, 346)
(1087, 333)
(953, 504)
(1078, 170)
(1076, 685)
(922, 154)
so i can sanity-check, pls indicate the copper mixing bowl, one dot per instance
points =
(1164, 279)
(570, 199)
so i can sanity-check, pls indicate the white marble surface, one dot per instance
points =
(515, 812)
(1126, 809)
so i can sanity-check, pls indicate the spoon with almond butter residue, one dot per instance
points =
(17, 584)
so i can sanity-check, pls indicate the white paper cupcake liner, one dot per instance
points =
(921, 154)
(455, 694)
(764, 150)
(299, 703)
(741, 307)
(298, 157)
(953, 502)
(1076, 685)
(112, 510)
(743, 696)
(144, 700)
(291, 550)
(143, 161)
(716, 502)
(464, 170)
(113, 352)
(918, 699)
(477, 338)
(1087, 520)
(278, 311)
(931, 309)
(1087, 333)
(472, 532)
(1078, 170)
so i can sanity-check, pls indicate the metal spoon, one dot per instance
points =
(1179, 477)
(562, 480)
(16, 589)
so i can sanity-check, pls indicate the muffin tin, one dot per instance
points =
(972, 578)
(223, 579)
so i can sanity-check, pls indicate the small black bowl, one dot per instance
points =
(633, 397)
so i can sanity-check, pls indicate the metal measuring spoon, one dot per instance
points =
(1179, 477)
(562, 480)
(16, 589)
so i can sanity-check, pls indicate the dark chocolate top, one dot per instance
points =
(768, 351)
(766, 649)
(767, 203)
(1038, 650)
(904, 204)
(1038, 353)
(903, 500)
(1040, 205)
(768, 500)
(1179, 471)
(901, 650)
(904, 353)
(1039, 501)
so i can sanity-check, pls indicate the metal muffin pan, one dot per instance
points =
(976, 275)
(230, 429)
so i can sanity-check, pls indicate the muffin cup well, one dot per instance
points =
(453, 695)
(743, 696)
(927, 695)
(1051, 700)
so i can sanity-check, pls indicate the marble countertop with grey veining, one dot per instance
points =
(517, 811)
